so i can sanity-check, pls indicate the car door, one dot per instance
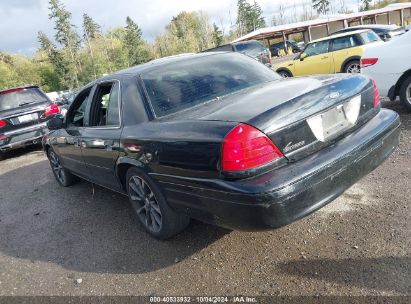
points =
(317, 60)
(100, 141)
(343, 48)
(67, 143)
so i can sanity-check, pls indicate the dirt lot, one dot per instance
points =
(51, 236)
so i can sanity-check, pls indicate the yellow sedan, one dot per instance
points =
(334, 54)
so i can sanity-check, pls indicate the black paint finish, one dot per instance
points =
(182, 151)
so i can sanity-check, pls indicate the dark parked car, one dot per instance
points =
(276, 48)
(252, 48)
(384, 31)
(23, 115)
(223, 139)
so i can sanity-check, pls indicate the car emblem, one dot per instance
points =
(334, 95)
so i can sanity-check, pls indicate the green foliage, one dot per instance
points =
(249, 17)
(218, 37)
(134, 43)
(322, 6)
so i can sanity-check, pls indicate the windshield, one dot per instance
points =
(369, 37)
(186, 83)
(252, 48)
(15, 98)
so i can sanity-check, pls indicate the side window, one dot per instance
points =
(344, 43)
(76, 113)
(105, 109)
(317, 48)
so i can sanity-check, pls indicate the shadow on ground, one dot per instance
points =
(383, 273)
(84, 227)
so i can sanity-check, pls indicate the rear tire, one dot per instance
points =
(352, 67)
(284, 74)
(62, 175)
(151, 208)
(405, 93)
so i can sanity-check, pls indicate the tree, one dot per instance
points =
(322, 6)
(366, 5)
(217, 36)
(66, 35)
(257, 15)
(249, 17)
(91, 29)
(134, 43)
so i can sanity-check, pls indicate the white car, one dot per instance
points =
(389, 64)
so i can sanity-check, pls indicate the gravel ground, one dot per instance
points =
(83, 240)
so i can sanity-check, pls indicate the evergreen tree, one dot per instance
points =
(322, 6)
(249, 17)
(217, 35)
(259, 21)
(66, 35)
(366, 5)
(91, 29)
(134, 43)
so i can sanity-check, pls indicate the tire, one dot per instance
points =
(62, 175)
(405, 93)
(151, 208)
(284, 74)
(2, 156)
(352, 67)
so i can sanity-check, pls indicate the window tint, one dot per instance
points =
(344, 43)
(15, 98)
(252, 48)
(317, 48)
(186, 83)
(369, 37)
(76, 113)
(105, 108)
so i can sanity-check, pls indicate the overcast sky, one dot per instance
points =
(22, 19)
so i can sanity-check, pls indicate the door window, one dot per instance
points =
(105, 110)
(317, 48)
(75, 117)
(344, 43)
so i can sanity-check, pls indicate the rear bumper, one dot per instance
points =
(23, 137)
(282, 196)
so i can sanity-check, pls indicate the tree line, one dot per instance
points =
(74, 57)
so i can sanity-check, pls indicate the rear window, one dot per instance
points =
(252, 48)
(184, 84)
(15, 98)
(369, 37)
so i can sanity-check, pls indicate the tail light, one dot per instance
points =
(365, 62)
(3, 123)
(376, 95)
(246, 147)
(51, 109)
(11, 91)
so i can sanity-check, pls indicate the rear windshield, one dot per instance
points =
(184, 84)
(20, 97)
(369, 37)
(252, 48)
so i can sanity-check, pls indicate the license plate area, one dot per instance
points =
(335, 121)
(27, 118)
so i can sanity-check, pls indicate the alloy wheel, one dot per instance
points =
(354, 68)
(145, 203)
(56, 166)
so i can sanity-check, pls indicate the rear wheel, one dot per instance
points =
(405, 93)
(285, 74)
(353, 67)
(62, 175)
(151, 208)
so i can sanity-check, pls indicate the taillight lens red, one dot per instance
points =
(246, 147)
(365, 62)
(3, 123)
(11, 91)
(51, 109)
(376, 95)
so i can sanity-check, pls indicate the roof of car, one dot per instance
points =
(373, 26)
(21, 87)
(341, 35)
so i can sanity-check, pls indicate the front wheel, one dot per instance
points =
(405, 93)
(62, 175)
(151, 208)
(353, 67)
(284, 74)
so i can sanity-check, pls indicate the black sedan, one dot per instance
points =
(221, 138)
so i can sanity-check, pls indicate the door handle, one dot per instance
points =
(325, 57)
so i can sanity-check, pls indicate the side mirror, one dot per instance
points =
(55, 122)
(303, 56)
